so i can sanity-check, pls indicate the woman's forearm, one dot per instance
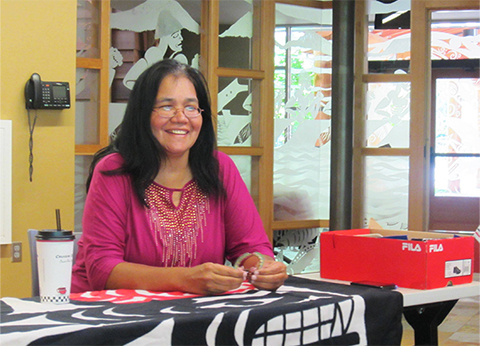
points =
(138, 276)
(206, 278)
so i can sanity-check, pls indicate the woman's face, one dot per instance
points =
(178, 133)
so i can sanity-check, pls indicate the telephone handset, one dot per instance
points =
(46, 95)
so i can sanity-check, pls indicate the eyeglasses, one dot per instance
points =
(170, 111)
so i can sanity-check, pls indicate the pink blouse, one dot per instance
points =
(118, 228)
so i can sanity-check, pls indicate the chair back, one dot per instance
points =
(32, 242)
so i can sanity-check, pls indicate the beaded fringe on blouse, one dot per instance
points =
(177, 227)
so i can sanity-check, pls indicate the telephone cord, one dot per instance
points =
(31, 127)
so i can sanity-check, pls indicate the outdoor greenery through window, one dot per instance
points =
(302, 122)
(297, 67)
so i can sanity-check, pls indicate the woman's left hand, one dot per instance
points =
(271, 276)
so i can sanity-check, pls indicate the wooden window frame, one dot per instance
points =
(262, 72)
(101, 65)
(294, 224)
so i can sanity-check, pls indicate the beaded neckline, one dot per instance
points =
(178, 229)
(192, 181)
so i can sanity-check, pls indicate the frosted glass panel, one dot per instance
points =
(244, 165)
(388, 115)
(457, 132)
(457, 176)
(82, 166)
(88, 29)
(455, 35)
(382, 47)
(234, 124)
(236, 33)
(389, 35)
(457, 115)
(386, 191)
(86, 106)
(303, 50)
(144, 32)
(302, 173)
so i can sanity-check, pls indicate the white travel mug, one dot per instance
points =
(54, 260)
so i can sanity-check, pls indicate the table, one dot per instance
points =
(302, 311)
(425, 310)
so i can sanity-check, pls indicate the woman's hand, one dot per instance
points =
(211, 278)
(271, 276)
(206, 278)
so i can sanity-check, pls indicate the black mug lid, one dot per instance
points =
(55, 234)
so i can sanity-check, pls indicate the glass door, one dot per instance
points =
(455, 123)
(455, 150)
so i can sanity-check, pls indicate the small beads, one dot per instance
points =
(177, 227)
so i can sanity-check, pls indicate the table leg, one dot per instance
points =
(425, 320)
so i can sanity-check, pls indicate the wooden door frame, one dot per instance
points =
(420, 109)
(419, 189)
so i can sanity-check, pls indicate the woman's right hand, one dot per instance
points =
(212, 278)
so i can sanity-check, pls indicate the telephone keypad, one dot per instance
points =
(51, 99)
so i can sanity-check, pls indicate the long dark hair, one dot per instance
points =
(142, 153)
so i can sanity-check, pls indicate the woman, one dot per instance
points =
(164, 209)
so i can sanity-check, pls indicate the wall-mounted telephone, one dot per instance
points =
(50, 95)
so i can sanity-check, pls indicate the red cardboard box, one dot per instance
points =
(423, 260)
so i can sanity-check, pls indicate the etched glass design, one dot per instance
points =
(457, 136)
(236, 33)
(303, 52)
(244, 165)
(88, 29)
(457, 177)
(455, 35)
(144, 33)
(386, 191)
(234, 109)
(388, 115)
(299, 249)
(86, 106)
(388, 36)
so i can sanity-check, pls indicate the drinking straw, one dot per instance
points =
(59, 225)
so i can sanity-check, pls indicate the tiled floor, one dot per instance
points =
(460, 327)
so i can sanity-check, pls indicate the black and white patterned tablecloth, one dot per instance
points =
(301, 312)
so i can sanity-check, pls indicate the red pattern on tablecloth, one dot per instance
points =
(124, 296)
